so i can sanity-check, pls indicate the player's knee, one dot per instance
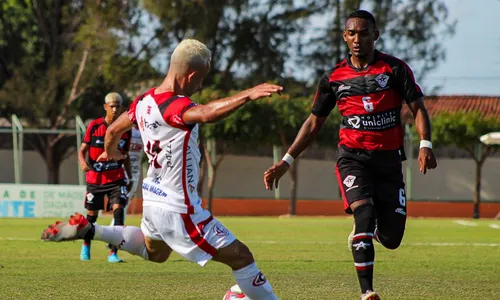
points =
(245, 257)
(393, 240)
(236, 255)
(92, 218)
(364, 218)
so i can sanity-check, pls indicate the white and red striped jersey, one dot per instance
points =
(172, 150)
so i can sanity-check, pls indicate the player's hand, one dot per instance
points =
(263, 90)
(273, 174)
(84, 166)
(116, 156)
(426, 159)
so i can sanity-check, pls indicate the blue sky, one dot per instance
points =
(472, 65)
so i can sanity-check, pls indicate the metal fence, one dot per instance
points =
(19, 134)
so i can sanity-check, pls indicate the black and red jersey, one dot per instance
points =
(102, 173)
(370, 101)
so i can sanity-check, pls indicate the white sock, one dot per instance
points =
(253, 283)
(126, 238)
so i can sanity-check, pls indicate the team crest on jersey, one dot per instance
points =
(191, 188)
(382, 80)
(220, 230)
(148, 109)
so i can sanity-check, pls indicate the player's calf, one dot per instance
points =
(362, 245)
(390, 228)
(245, 271)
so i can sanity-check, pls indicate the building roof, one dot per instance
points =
(487, 105)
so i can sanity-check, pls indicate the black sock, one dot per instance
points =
(118, 215)
(362, 245)
(87, 240)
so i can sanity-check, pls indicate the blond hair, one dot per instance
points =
(191, 54)
(113, 97)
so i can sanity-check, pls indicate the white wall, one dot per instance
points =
(242, 177)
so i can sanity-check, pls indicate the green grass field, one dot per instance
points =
(304, 258)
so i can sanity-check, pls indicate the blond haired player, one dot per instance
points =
(173, 218)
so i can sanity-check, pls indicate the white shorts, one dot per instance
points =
(196, 237)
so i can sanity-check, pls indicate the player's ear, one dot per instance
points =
(105, 106)
(377, 34)
(191, 75)
(344, 34)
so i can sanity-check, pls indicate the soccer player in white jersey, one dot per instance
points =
(173, 218)
(135, 154)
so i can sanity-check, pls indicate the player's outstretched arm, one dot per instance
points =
(304, 138)
(112, 138)
(426, 158)
(220, 109)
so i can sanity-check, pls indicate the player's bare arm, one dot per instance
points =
(220, 109)
(82, 154)
(112, 138)
(304, 138)
(426, 158)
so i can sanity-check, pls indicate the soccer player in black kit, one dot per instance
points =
(369, 88)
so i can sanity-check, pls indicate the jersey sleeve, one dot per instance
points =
(88, 133)
(324, 99)
(406, 84)
(173, 110)
(131, 111)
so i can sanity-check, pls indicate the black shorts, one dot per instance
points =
(94, 198)
(359, 179)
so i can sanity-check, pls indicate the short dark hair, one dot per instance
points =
(363, 14)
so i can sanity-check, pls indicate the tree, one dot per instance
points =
(463, 129)
(245, 36)
(58, 57)
(410, 30)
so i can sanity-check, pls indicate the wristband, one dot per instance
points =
(289, 159)
(426, 144)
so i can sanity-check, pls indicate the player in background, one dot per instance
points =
(369, 88)
(104, 178)
(173, 218)
(135, 154)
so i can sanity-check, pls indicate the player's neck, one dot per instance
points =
(108, 120)
(362, 62)
(170, 84)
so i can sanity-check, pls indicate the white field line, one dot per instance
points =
(450, 244)
(495, 226)
(465, 223)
